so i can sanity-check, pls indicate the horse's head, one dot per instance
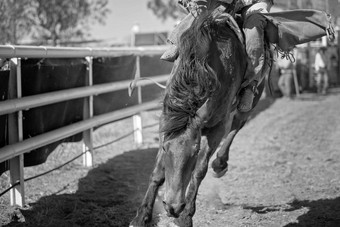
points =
(181, 149)
(180, 157)
(192, 95)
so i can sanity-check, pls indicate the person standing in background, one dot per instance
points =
(333, 71)
(321, 71)
(287, 74)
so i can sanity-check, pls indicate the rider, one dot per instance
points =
(321, 70)
(253, 28)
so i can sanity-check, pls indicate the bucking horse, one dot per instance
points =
(199, 111)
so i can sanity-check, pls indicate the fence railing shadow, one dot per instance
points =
(108, 196)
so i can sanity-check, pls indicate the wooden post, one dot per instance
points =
(296, 83)
(137, 119)
(310, 66)
(15, 134)
(338, 47)
(88, 113)
(134, 31)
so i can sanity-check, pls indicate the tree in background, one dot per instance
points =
(63, 20)
(16, 19)
(49, 22)
(164, 8)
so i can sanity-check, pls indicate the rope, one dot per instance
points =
(73, 159)
(133, 84)
(288, 55)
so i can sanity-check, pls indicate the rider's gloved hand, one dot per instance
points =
(194, 4)
(199, 2)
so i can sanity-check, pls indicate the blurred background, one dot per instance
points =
(113, 23)
(297, 139)
(106, 22)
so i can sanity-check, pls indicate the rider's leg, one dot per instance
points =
(254, 33)
(318, 80)
(325, 83)
(281, 85)
(253, 28)
(290, 84)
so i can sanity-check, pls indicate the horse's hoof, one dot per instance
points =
(220, 168)
(221, 173)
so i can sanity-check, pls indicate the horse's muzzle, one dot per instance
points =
(173, 210)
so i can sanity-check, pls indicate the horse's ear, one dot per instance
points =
(203, 113)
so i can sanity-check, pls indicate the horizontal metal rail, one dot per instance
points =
(9, 51)
(28, 102)
(13, 150)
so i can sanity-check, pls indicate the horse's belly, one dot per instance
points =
(221, 115)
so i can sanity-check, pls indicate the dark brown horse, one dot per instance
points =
(199, 110)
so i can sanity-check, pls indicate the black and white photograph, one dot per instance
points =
(169, 113)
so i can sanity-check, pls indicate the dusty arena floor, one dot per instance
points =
(284, 170)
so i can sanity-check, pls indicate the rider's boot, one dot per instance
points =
(247, 97)
(170, 54)
(196, 7)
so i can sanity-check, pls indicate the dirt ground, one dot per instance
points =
(284, 170)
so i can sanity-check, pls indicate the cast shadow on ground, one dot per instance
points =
(108, 196)
(262, 105)
(313, 96)
(323, 212)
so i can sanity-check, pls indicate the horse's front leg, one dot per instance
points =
(220, 164)
(144, 212)
(208, 148)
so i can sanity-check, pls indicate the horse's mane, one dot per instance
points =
(193, 80)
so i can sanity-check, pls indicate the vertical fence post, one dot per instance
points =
(310, 66)
(15, 134)
(296, 84)
(295, 79)
(88, 113)
(338, 47)
(137, 119)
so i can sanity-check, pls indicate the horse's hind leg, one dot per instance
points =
(220, 164)
(144, 212)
